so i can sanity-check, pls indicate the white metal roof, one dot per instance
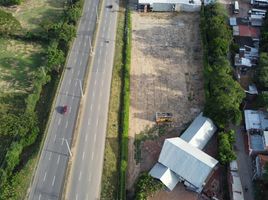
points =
(265, 136)
(199, 132)
(187, 161)
(151, 2)
(232, 21)
(164, 174)
(233, 165)
(256, 120)
(237, 189)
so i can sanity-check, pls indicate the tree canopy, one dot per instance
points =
(9, 25)
(226, 141)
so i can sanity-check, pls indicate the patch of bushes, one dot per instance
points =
(9, 25)
(226, 152)
(125, 108)
(10, 2)
(223, 94)
(146, 186)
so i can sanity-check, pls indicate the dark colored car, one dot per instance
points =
(64, 109)
(110, 6)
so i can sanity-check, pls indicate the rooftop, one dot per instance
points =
(199, 132)
(255, 119)
(186, 155)
(246, 31)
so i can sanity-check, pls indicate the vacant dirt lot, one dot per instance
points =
(166, 75)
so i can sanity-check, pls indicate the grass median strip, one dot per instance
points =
(110, 168)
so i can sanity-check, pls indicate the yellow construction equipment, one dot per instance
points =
(163, 117)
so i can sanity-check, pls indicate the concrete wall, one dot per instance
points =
(163, 7)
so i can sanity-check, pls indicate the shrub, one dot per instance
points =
(146, 186)
(226, 141)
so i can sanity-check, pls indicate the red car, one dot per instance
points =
(64, 109)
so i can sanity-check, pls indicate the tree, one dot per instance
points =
(73, 13)
(226, 141)
(55, 57)
(262, 100)
(9, 25)
(10, 2)
(262, 71)
(146, 186)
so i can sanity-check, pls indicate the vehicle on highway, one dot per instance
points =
(64, 109)
(110, 6)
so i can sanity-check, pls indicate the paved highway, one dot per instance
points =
(86, 170)
(50, 174)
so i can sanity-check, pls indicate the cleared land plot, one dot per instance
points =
(166, 75)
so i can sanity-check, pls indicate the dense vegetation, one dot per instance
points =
(226, 141)
(10, 2)
(223, 94)
(19, 130)
(146, 186)
(125, 108)
(262, 70)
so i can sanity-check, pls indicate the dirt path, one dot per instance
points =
(166, 73)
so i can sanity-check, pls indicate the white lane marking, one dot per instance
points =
(80, 174)
(92, 155)
(76, 197)
(55, 137)
(91, 107)
(89, 178)
(59, 121)
(75, 59)
(78, 72)
(85, 44)
(50, 154)
(83, 156)
(70, 82)
(97, 122)
(102, 83)
(95, 137)
(75, 83)
(97, 70)
(87, 196)
(39, 197)
(45, 176)
(62, 141)
(86, 138)
(88, 122)
(70, 108)
(80, 63)
(66, 124)
(72, 97)
(53, 181)
(95, 82)
(58, 159)
(93, 93)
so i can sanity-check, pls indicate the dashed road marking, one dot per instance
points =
(53, 181)
(58, 159)
(45, 176)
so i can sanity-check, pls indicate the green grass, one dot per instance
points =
(110, 167)
(32, 12)
(18, 61)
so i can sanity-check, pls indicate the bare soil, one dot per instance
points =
(166, 76)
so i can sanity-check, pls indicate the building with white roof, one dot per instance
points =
(236, 192)
(256, 120)
(173, 5)
(181, 158)
(199, 132)
(180, 161)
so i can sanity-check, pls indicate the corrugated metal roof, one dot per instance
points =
(265, 135)
(237, 187)
(196, 2)
(233, 165)
(164, 174)
(256, 120)
(199, 132)
(188, 162)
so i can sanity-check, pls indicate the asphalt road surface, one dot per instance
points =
(86, 169)
(50, 174)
